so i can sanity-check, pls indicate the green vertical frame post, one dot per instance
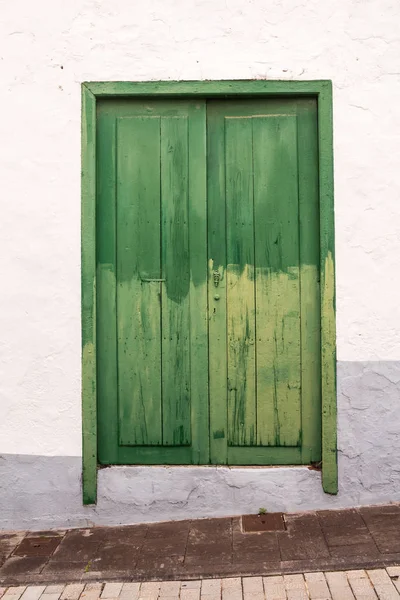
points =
(322, 90)
(88, 301)
(327, 267)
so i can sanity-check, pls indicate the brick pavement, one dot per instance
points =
(382, 584)
(364, 538)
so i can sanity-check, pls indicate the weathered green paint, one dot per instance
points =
(278, 283)
(152, 214)
(175, 301)
(327, 298)
(138, 301)
(240, 299)
(88, 220)
(208, 89)
(313, 359)
(256, 242)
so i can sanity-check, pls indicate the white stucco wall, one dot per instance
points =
(46, 50)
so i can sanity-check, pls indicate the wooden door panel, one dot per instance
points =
(263, 196)
(138, 300)
(152, 218)
(277, 280)
(175, 296)
(240, 296)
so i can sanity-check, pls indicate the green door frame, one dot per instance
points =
(322, 90)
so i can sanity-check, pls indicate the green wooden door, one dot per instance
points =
(152, 283)
(263, 249)
(208, 293)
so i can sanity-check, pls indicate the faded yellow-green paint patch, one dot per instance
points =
(241, 355)
(310, 331)
(328, 373)
(89, 437)
(278, 357)
(139, 362)
(266, 350)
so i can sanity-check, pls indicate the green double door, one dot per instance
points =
(208, 319)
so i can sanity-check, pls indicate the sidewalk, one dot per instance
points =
(365, 538)
(352, 585)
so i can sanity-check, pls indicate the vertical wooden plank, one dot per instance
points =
(328, 329)
(176, 272)
(198, 282)
(107, 380)
(138, 299)
(217, 283)
(88, 256)
(277, 280)
(309, 280)
(241, 354)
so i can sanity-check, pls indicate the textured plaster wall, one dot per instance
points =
(46, 50)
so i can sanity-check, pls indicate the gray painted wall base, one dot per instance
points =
(40, 492)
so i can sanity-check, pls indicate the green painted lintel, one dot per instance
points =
(88, 298)
(207, 88)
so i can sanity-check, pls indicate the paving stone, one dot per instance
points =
(231, 583)
(169, 588)
(361, 550)
(190, 594)
(211, 587)
(92, 587)
(383, 585)
(232, 595)
(274, 587)
(14, 593)
(130, 591)
(252, 585)
(378, 576)
(303, 539)
(195, 584)
(54, 589)
(347, 536)
(21, 565)
(340, 518)
(8, 542)
(232, 588)
(317, 586)
(75, 548)
(356, 574)
(111, 590)
(394, 574)
(33, 592)
(294, 582)
(386, 592)
(2, 591)
(361, 585)
(297, 595)
(37, 546)
(149, 589)
(72, 591)
(339, 586)
(393, 571)
(150, 567)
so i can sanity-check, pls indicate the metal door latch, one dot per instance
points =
(148, 280)
(217, 277)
